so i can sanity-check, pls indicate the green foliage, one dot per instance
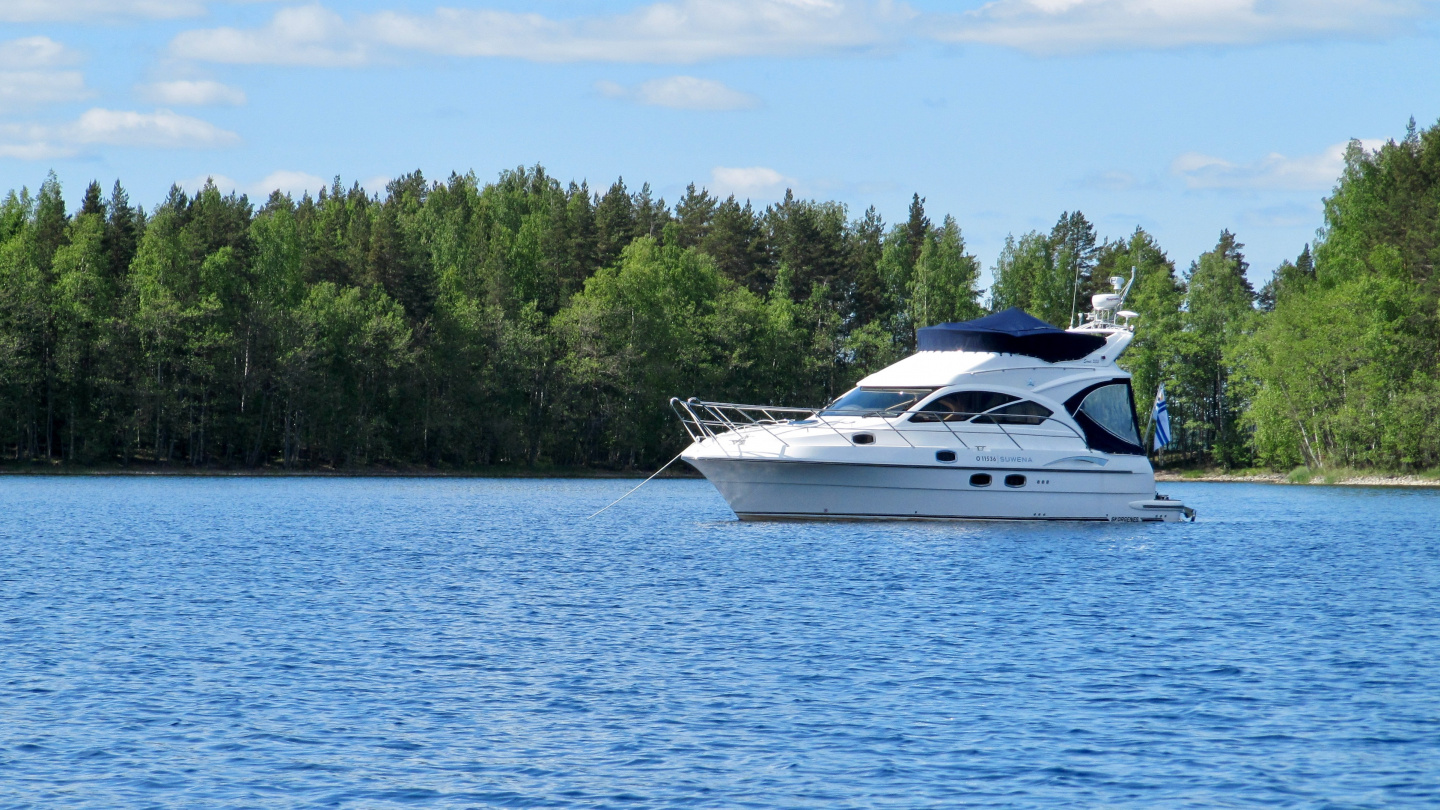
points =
(1218, 311)
(942, 286)
(1345, 370)
(448, 324)
(1049, 276)
(1157, 296)
(526, 321)
(1027, 276)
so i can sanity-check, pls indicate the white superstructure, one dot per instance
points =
(1020, 420)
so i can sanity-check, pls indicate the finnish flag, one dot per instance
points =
(1160, 417)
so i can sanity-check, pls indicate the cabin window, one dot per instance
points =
(946, 456)
(864, 438)
(960, 406)
(1109, 406)
(1015, 481)
(980, 480)
(880, 401)
(1020, 413)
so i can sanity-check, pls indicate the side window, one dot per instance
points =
(1020, 413)
(960, 406)
(1110, 408)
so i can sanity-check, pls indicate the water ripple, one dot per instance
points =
(191, 643)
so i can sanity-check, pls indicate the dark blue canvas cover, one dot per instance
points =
(1013, 331)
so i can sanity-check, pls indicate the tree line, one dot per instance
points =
(526, 321)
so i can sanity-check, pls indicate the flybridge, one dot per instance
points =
(1012, 331)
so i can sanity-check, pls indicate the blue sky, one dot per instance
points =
(1184, 117)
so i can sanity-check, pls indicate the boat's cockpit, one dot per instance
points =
(946, 405)
(1102, 414)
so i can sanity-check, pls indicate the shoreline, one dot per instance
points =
(498, 472)
(1161, 476)
(1317, 480)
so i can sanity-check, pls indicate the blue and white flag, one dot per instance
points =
(1160, 417)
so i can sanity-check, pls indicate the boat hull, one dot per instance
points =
(780, 489)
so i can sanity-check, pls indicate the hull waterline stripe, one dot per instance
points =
(957, 467)
(868, 516)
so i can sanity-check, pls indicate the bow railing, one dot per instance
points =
(704, 420)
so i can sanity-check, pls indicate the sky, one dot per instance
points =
(1183, 117)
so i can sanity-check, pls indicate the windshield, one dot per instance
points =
(877, 400)
(1111, 408)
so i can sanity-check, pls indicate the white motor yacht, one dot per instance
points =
(1001, 418)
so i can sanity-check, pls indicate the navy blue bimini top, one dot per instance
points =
(1013, 331)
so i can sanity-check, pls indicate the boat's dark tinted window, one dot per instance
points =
(1020, 413)
(1110, 407)
(980, 480)
(945, 455)
(1014, 480)
(960, 406)
(878, 400)
(864, 438)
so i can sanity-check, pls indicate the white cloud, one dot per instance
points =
(754, 181)
(288, 182)
(684, 31)
(35, 53)
(310, 35)
(26, 87)
(1071, 26)
(222, 182)
(32, 142)
(681, 93)
(28, 74)
(81, 11)
(285, 181)
(161, 129)
(1272, 172)
(192, 93)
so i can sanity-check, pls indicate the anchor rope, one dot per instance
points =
(641, 484)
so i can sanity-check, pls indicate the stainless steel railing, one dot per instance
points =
(704, 420)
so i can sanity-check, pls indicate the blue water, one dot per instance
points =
(369, 643)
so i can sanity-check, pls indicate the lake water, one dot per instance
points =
(366, 643)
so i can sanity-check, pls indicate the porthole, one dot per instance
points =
(864, 438)
(1014, 480)
(946, 456)
(980, 480)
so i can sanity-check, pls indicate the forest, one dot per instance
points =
(530, 323)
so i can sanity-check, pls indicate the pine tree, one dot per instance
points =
(694, 212)
(92, 203)
(1072, 241)
(1218, 302)
(737, 243)
(123, 227)
(868, 301)
(917, 225)
(50, 220)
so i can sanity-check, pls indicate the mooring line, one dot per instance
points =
(641, 484)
